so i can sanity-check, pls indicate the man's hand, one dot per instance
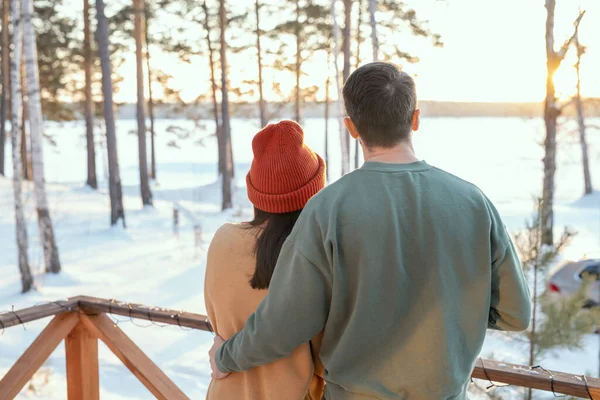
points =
(217, 343)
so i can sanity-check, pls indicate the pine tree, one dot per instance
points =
(138, 13)
(16, 110)
(115, 191)
(554, 324)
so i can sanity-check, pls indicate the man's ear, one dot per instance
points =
(351, 127)
(416, 120)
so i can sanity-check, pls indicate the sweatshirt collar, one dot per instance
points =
(416, 166)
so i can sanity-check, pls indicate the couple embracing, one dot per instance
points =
(380, 286)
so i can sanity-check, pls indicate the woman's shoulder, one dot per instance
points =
(233, 233)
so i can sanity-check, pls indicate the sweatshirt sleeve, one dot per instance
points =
(510, 306)
(293, 312)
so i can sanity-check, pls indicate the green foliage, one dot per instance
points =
(392, 17)
(566, 322)
(559, 323)
(57, 42)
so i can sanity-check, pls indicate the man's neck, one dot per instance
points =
(402, 153)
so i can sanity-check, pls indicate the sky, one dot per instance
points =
(494, 51)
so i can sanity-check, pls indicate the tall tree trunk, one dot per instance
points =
(298, 113)
(327, 84)
(358, 33)
(150, 101)
(226, 130)
(346, 40)
(5, 83)
(115, 190)
(551, 113)
(89, 102)
(587, 179)
(138, 12)
(358, 43)
(373, 23)
(339, 108)
(16, 110)
(36, 124)
(25, 158)
(261, 101)
(347, 50)
(221, 148)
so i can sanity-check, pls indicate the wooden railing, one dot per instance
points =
(82, 320)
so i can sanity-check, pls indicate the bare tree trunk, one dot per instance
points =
(327, 84)
(373, 23)
(25, 158)
(587, 179)
(551, 113)
(211, 59)
(116, 192)
(298, 113)
(358, 43)
(150, 102)
(358, 33)
(5, 83)
(89, 102)
(226, 131)
(336, 52)
(16, 110)
(347, 50)
(138, 12)
(36, 123)
(261, 102)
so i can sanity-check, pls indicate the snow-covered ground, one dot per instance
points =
(146, 263)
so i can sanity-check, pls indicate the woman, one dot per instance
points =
(284, 175)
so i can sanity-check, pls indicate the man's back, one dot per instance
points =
(411, 280)
(402, 266)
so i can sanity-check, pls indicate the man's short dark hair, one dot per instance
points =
(381, 100)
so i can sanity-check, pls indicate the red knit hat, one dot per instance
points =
(285, 173)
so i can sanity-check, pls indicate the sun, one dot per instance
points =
(565, 81)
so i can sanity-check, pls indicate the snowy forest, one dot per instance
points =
(125, 139)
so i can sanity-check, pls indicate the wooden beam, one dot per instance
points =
(138, 363)
(39, 351)
(537, 378)
(81, 348)
(18, 317)
(148, 313)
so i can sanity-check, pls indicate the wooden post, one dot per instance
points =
(176, 221)
(138, 363)
(33, 358)
(81, 349)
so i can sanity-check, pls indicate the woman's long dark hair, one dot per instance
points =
(275, 230)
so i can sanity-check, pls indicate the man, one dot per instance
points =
(401, 265)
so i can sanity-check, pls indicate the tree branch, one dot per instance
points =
(565, 47)
(593, 127)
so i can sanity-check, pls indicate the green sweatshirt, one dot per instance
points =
(403, 267)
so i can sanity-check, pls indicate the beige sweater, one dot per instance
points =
(229, 302)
